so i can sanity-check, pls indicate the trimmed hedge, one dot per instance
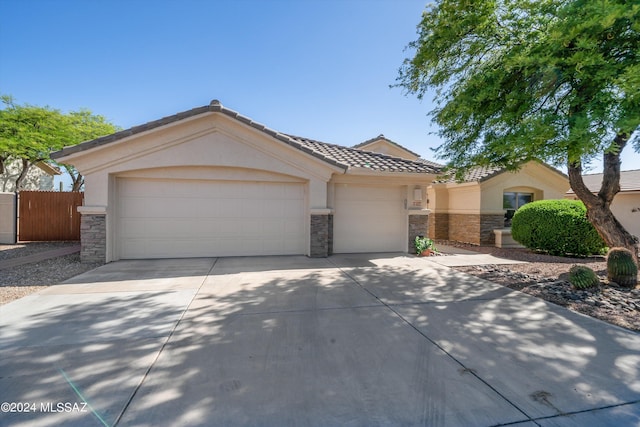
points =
(558, 227)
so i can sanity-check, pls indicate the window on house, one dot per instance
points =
(511, 202)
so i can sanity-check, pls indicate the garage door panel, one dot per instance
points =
(369, 219)
(180, 218)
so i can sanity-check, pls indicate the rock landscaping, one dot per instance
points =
(547, 277)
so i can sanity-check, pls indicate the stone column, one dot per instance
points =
(321, 233)
(93, 234)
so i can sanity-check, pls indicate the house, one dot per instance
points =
(478, 210)
(211, 182)
(626, 204)
(39, 177)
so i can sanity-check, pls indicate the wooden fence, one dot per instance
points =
(48, 216)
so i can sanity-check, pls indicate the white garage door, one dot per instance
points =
(369, 219)
(189, 218)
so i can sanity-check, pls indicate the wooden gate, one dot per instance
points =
(49, 215)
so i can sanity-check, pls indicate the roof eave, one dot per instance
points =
(214, 107)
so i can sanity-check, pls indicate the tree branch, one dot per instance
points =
(611, 176)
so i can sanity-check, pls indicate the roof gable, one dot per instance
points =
(335, 155)
(381, 144)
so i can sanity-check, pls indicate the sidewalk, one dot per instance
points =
(40, 256)
(458, 257)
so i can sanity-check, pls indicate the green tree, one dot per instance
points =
(517, 80)
(30, 133)
(83, 126)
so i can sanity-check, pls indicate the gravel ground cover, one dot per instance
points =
(20, 281)
(30, 248)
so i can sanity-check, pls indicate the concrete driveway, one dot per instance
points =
(355, 340)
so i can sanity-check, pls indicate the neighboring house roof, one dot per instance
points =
(629, 181)
(483, 173)
(367, 159)
(336, 155)
(387, 140)
(48, 169)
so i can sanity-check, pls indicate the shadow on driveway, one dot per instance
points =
(380, 339)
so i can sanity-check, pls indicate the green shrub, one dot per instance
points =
(621, 267)
(582, 277)
(559, 227)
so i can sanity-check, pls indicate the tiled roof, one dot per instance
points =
(356, 158)
(336, 155)
(382, 137)
(629, 181)
(476, 174)
(483, 173)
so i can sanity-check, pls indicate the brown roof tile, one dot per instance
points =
(476, 174)
(629, 181)
(369, 159)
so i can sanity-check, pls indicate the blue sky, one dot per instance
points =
(314, 68)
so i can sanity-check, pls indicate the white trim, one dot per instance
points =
(418, 211)
(92, 210)
(320, 211)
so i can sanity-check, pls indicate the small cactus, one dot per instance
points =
(582, 277)
(621, 267)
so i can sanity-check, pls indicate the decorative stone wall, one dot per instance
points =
(488, 223)
(464, 228)
(439, 226)
(475, 228)
(321, 236)
(93, 238)
(418, 226)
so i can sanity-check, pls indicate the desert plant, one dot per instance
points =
(621, 267)
(582, 277)
(423, 243)
(558, 227)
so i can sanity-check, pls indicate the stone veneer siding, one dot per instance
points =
(93, 238)
(439, 226)
(418, 226)
(474, 228)
(321, 236)
(488, 223)
(464, 228)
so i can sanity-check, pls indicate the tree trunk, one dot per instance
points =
(78, 182)
(23, 174)
(599, 205)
